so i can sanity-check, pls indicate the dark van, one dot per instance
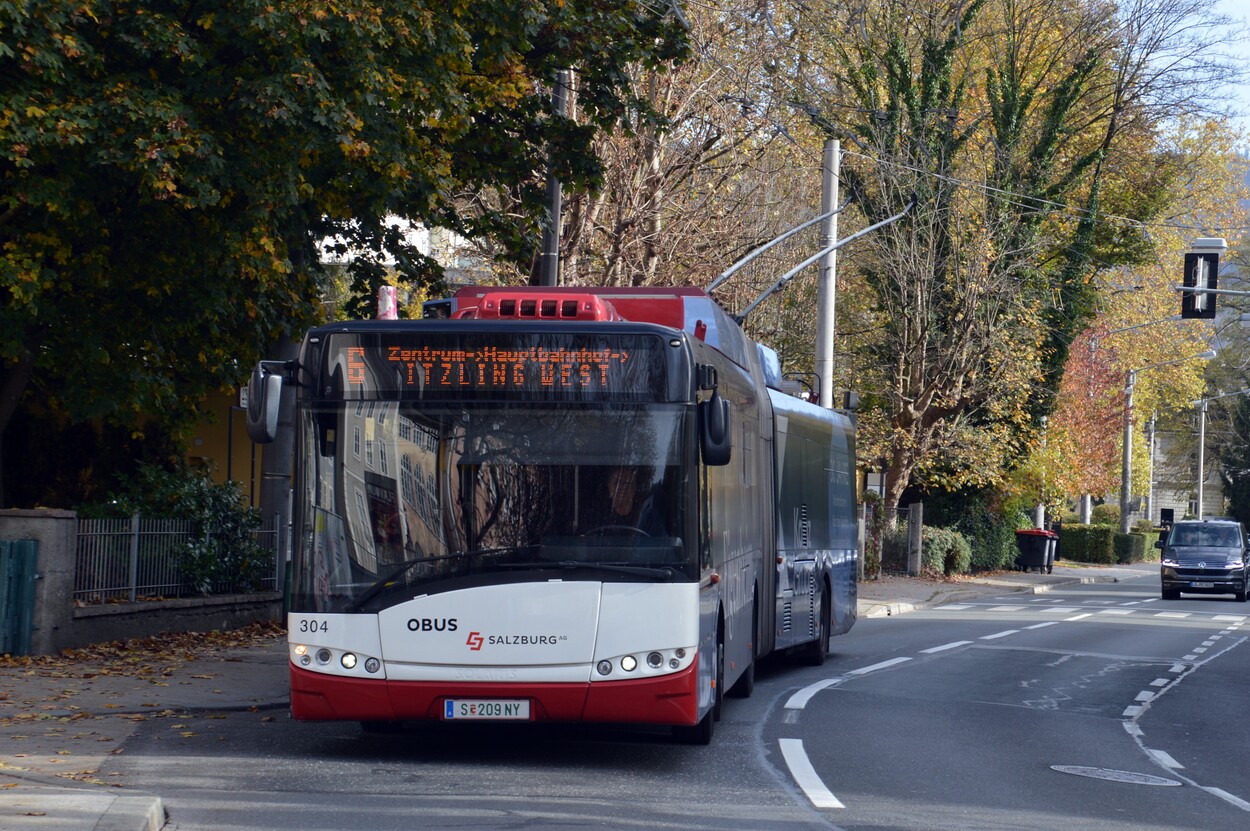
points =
(1205, 556)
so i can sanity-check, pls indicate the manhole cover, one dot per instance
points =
(1116, 775)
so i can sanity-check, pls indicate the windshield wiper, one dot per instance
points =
(665, 572)
(387, 580)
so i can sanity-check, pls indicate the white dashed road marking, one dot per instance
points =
(805, 775)
(944, 647)
(875, 667)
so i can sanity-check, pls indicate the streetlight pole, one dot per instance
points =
(1150, 470)
(1201, 404)
(1126, 461)
(1202, 445)
(1126, 465)
(1126, 471)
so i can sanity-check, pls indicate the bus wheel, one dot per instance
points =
(746, 682)
(817, 650)
(718, 694)
(700, 734)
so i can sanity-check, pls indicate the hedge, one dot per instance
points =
(1130, 548)
(946, 552)
(1088, 544)
(1105, 545)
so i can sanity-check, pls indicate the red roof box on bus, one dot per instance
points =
(540, 305)
(677, 307)
(647, 304)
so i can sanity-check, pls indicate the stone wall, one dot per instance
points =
(58, 624)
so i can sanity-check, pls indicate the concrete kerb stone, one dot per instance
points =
(869, 609)
(75, 805)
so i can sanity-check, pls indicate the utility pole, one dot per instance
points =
(1150, 470)
(826, 287)
(1202, 446)
(549, 271)
(1126, 469)
(1126, 462)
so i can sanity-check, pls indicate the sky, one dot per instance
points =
(1239, 9)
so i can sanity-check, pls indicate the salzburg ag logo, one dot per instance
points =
(475, 641)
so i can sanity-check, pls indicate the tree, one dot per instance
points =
(706, 169)
(1234, 460)
(1009, 122)
(168, 168)
(1196, 181)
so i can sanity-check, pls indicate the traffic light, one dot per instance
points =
(1201, 271)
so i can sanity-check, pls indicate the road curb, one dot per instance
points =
(886, 609)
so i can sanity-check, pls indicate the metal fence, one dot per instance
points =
(137, 559)
(899, 543)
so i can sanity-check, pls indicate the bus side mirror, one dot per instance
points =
(264, 394)
(714, 435)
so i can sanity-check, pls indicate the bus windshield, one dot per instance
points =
(404, 499)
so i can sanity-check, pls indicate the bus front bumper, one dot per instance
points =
(667, 700)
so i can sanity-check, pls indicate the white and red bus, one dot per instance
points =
(580, 505)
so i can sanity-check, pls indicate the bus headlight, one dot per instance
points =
(323, 656)
(348, 660)
(654, 663)
(372, 665)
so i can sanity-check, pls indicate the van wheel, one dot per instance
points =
(1171, 594)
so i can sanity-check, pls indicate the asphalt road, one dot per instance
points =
(1030, 713)
(955, 717)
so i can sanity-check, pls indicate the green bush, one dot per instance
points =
(1137, 547)
(1088, 544)
(1129, 548)
(991, 537)
(946, 552)
(1105, 514)
(222, 546)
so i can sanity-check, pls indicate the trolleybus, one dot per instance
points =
(555, 504)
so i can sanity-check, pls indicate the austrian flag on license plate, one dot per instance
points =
(485, 708)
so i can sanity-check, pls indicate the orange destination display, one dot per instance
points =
(491, 366)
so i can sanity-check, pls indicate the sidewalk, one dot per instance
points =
(892, 595)
(60, 717)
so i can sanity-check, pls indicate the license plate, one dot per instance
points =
(464, 709)
(1202, 585)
